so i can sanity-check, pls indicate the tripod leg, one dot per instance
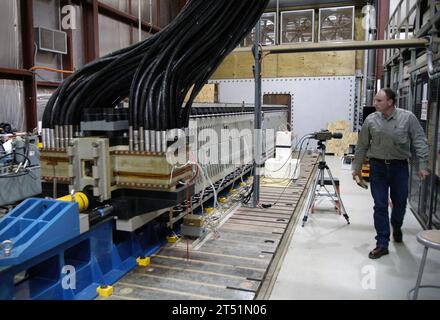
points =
(344, 213)
(311, 201)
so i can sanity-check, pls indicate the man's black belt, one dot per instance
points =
(392, 161)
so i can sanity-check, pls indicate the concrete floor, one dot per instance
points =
(328, 259)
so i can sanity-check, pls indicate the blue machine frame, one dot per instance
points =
(74, 269)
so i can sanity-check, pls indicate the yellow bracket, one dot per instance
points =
(172, 239)
(242, 184)
(222, 199)
(143, 261)
(232, 191)
(105, 291)
(209, 210)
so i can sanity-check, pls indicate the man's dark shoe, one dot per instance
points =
(397, 235)
(377, 253)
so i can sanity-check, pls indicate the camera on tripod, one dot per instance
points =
(325, 135)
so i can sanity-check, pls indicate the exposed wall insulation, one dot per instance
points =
(10, 35)
(113, 35)
(12, 104)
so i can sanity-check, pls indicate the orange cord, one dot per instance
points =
(51, 69)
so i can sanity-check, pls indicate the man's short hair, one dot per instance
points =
(390, 94)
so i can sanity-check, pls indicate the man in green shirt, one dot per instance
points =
(387, 138)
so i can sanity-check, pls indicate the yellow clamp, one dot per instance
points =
(232, 191)
(104, 291)
(80, 198)
(143, 261)
(222, 199)
(172, 239)
(242, 184)
(209, 210)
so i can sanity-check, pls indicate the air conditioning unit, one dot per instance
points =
(51, 40)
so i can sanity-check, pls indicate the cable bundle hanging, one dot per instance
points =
(156, 74)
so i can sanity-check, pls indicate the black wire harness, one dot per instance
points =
(158, 73)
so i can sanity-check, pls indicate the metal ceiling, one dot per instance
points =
(312, 3)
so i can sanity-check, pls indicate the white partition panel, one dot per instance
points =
(316, 101)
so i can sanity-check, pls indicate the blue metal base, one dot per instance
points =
(100, 256)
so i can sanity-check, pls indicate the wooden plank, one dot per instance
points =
(250, 223)
(238, 65)
(281, 221)
(129, 291)
(243, 262)
(263, 214)
(207, 266)
(239, 249)
(259, 229)
(247, 235)
(262, 243)
(282, 210)
(198, 276)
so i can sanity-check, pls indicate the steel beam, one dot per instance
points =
(15, 74)
(342, 46)
(29, 84)
(67, 58)
(90, 31)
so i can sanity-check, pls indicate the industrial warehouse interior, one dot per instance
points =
(219, 150)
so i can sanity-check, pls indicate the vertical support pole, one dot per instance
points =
(67, 58)
(140, 20)
(400, 81)
(132, 25)
(29, 83)
(257, 131)
(433, 176)
(158, 22)
(91, 31)
(383, 12)
(277, 24)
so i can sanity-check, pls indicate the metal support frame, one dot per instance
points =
(383, 12)
(341, 46)
(67, 58)
(29, 84)
(257, 133)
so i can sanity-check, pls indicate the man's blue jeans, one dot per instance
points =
(392, 177)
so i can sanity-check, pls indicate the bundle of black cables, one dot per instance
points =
(158, 73)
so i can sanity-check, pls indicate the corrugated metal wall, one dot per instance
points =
(10, 35)
(11, 92)
(12, 104)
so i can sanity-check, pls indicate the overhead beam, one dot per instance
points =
(342, 46)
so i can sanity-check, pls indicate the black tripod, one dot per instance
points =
(320, 180)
